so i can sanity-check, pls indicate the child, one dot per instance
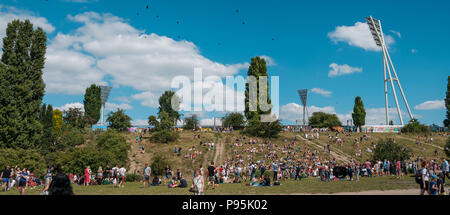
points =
(433, 185)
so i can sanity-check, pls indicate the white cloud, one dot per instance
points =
(358, 35)
(140, 122)
(210, 122)
(338, 70)
(431, 105)
(148, 99)
(413, 51)
(293, 111)
(270, 61)
(114, 106)
(321, 91)
(399, 35)
(8, 14)
(123, 99)
(66, 107)
(107, 45)
(374, 116)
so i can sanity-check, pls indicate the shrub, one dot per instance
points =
(263, 129)
(158, 165)
(30, 159)
(415, 127)
(164, 136)
(133, 178)
(390, 150)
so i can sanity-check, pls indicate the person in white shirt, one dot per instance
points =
(122, 172)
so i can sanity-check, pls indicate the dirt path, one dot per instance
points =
(370, 192)
(340, 156)
(414, 141)
(220, 150)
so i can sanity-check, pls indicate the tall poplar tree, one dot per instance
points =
(359, 113)
(92, 104)
(21, 85)
(256, 69)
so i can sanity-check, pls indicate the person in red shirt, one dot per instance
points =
(87, 176)
(368, 168)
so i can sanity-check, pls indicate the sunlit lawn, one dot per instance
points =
(309, 185)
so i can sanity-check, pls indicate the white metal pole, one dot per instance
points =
(385, 90)
(393, 88)
(399, 86)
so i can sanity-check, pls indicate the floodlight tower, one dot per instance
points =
(304, 98)
(105, 90)
(377, 33)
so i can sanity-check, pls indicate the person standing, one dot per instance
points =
(357, 171)
(198, 183)
(424, 183)
(147, 173)
(211, 178)
(368, 168)
(275, 171)
(87, 176)
(122, 172)
(445, 169)
(350, 172)
(5, 176)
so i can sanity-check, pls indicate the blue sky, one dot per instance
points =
(98, 42)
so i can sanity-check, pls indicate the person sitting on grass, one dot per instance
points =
(172, 183)
(156, 181)
(183, 183)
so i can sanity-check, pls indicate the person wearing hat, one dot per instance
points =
(433, 185)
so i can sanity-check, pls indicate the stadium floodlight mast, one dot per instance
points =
(377, 33)
(105, 90)
(304, 98)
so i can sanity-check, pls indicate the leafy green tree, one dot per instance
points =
(119, 120)
(153, 121)
(21, 85)
(359, 113)
(191, 123)
(114, 142)
(29, 158)
(165, 105)
(235, 120)
(46, 118)
(324, 120)
(390, 150)
(414, 126)
(164, 136)
(92, 103)
(58, 121)
(256, 69)
(159, 162)
(166, 121)
(74, 117)
(447, 104)
(257, 128)
(70, 137)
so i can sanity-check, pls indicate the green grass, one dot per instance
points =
(306, 186)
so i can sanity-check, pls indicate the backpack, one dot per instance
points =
(418, 176)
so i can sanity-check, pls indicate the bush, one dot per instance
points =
(164, 136)
(70, 138)
(133, 178)
(415, 127)
(30, 159)
(391, 151)
(158, 165)
(324, 120)
(263, 129)
(114, 142)
(235, 120)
